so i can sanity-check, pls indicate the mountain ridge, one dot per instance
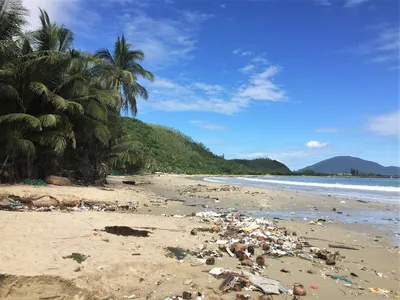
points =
(344, 164)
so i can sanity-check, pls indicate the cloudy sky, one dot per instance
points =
(294, 80)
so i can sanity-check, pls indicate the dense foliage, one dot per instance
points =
(60, 111)
(168, 150)
(59, 107)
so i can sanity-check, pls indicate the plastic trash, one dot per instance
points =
(379, 291)
(343, 278)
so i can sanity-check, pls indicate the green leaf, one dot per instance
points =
(49, 120)
(27, 121)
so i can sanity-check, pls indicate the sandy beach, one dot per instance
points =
(35, 246)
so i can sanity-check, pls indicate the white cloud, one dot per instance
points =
(165, 41)
(208, 125)
(386, 125)
(323, 2)
(247, 68)
(327, 130)
(222, 5)
(169, 95)
(210, 89)
(315, 144)
(260, 60)
(384, 48)
(62, 11)
(261, 87)
(196, 17)
(352, 3)
(241, 52)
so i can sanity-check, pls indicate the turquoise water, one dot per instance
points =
(369, 189)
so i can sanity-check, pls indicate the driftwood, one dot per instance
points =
(131, 182)
(342, 247)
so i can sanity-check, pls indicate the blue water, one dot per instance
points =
(370, 189)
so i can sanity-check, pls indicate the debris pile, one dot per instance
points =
(48, 203)
(253, 241)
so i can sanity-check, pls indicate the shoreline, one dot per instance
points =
(118, 267)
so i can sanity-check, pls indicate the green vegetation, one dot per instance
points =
(168, 150)
(59, 107)
(60, 111)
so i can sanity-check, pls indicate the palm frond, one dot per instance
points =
(49, 120)
(25, 120)
(54, 140)
(105, 55)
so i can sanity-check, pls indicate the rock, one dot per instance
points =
(285, 271)
(247, 262)
(77, 269)
(45, 201)
(193, 231)
(222, 247)
(260, 260)
(299, 246)
(299, 290)
(216, 228)
(58, 180)
(280, 242)
(188, 282)
(310, 272)
(201, 247)
(264, 297)
(237, 287)
(5, 203)
(186, 295)
(218, 222)
(330, 259)
(210, 261)
(266, 247)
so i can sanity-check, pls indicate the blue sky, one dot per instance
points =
(294, 80)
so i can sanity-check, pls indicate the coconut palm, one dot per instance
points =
(59, 107)
(122, 70)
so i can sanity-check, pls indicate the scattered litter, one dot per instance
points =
(126, 231)
(36, 182)
(207, 214)
(343, 278)
(379, 291)
(379, 274)
(314, 287)
(176, 252)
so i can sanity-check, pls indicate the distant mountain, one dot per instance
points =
(343, 164)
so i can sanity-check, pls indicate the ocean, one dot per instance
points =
(370, 189)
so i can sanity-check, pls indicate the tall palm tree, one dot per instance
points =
(122, 70)
(52, 36)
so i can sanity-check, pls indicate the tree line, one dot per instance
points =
(60, 107)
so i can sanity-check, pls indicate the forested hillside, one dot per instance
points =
(168, 150)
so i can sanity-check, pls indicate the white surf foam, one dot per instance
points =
(327, 185)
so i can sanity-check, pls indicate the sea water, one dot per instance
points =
(386, 190)
(370, 189)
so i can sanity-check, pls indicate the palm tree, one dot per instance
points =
(121, 69)
(52, 36)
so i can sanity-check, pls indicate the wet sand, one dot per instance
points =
(33, 244)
